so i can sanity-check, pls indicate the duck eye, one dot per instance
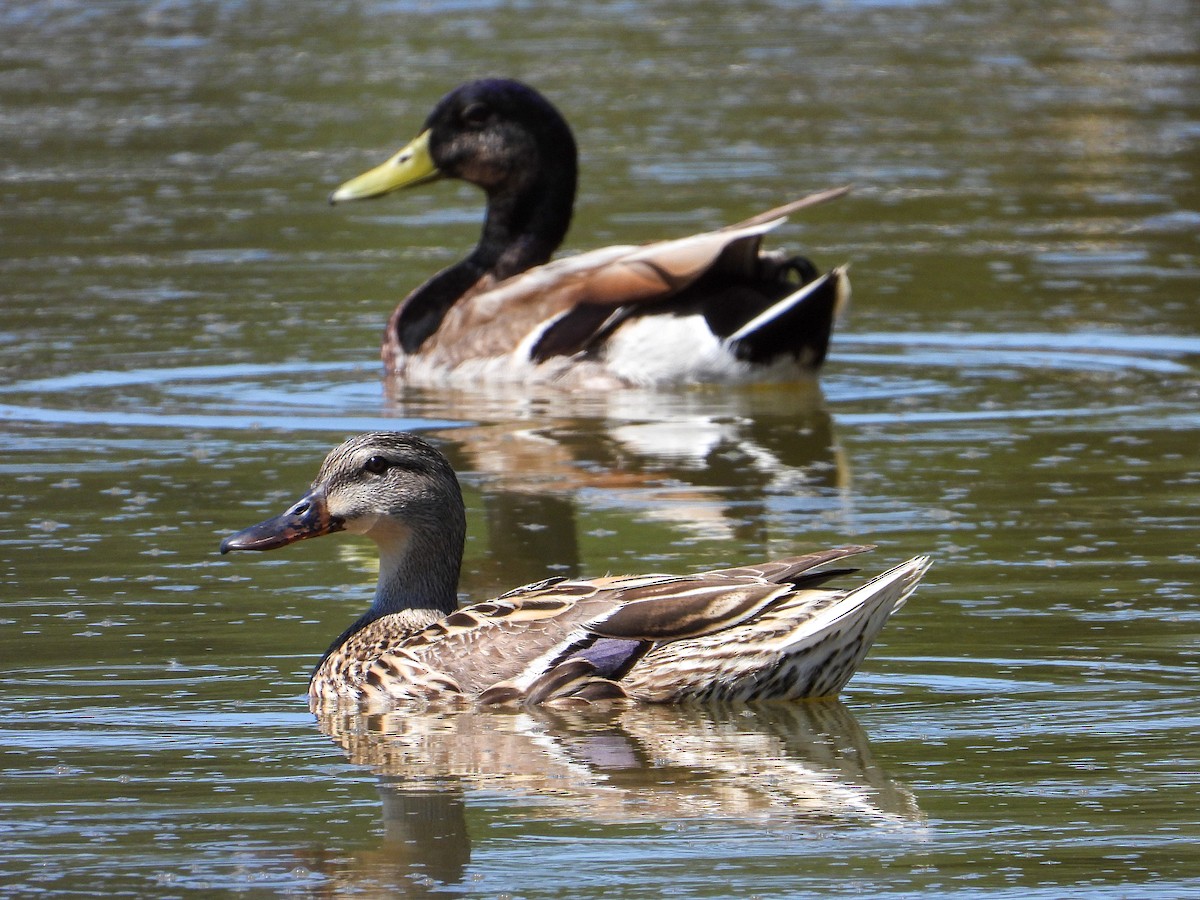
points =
(376, 465)
(475, 115)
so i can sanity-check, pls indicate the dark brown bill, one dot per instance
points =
(308, 517)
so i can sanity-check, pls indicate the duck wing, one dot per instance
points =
(792, 206)
(567, 307)
(564, 638)
(556, 309)
(807, 645)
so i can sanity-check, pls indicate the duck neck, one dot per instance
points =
(527, 220)
(421, 313)
(418, 576)
(418, 582)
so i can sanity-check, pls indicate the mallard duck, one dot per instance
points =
(711, 307)
(767, 631)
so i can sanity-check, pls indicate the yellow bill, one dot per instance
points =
(411, 166)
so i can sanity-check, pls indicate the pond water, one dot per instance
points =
(188, 328)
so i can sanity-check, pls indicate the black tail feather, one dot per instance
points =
(799, 325)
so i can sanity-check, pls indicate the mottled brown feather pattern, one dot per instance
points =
(765, 631)
(808, 645)
(740, 651)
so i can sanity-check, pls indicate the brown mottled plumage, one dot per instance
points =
(768, 631)
(710, 307)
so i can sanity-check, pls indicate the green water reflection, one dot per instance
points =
(188, 328)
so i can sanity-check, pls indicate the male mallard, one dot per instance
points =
(751, 633)
(711, 307)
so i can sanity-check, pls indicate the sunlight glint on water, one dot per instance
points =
(189, 328)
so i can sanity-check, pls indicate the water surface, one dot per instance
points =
(189, 328)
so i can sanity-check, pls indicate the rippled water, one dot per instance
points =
(189, 328)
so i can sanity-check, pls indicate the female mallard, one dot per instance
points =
(751, 633)
(712, 307)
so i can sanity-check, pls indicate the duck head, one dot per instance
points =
(499, 134)
(396, 489)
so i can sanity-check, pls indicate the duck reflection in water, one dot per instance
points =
(702, 466)
(776, 767)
